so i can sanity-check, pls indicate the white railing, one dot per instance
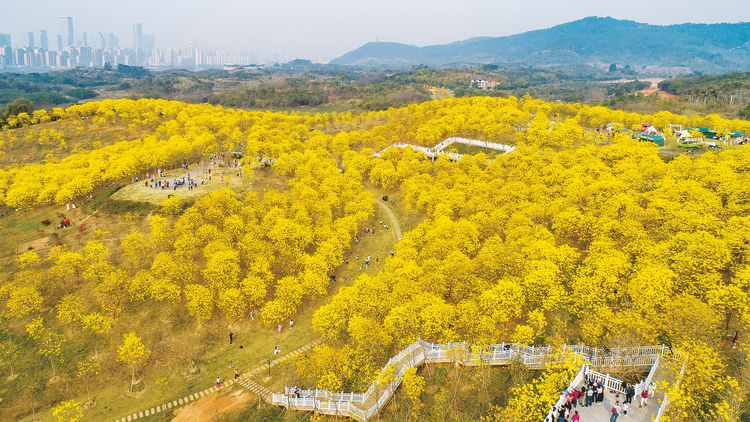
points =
(643, 385)
(564, 395)
(475, 142)
(439, 149)
(353, 404)
(665, 402)
(606, 381)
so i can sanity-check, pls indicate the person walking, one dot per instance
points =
(615, 412)
(625, 409)
(291, 324)
(589, 396)
(735, 337)
(644, 398)
(279, 328)
(236, 373)
(575, 417)
(230, 337)
(218, 382)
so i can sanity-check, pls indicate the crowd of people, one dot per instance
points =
(593, 394)
(64, 223)
(152, 180)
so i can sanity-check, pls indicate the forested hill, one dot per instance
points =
(703, 47)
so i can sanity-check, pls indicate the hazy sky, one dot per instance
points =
(331, 28)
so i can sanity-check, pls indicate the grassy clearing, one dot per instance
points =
(261, 180)
(473, 150)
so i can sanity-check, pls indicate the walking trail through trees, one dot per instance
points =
(364, 406)
(393, 218)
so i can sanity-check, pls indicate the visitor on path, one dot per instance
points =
(236, 373)
(615, 411)
(576, 418)
(651, 390)
(230, 337)
(582, 396)
(291, 324)
(644, 398)
(69, 210)
(590, 396)
(218, 382)
(735, 337)
(279, 329)
(625, 409)
(629, 393)
(276, 350)
(599, 394)
(252, 316)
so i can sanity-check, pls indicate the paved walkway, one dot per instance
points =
(393, 218)
(603, 411)
(244, 380)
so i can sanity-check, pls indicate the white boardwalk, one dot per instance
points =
(363, 406)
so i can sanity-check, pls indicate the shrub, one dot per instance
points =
(46, 222)
(82, 228)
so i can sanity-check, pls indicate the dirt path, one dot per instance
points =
(393, 218)
(212, 408)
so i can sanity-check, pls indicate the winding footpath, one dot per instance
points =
(392, 217)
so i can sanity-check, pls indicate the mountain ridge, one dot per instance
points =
(704, 47)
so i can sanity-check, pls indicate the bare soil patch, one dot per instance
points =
(211, 408)
(33, 245)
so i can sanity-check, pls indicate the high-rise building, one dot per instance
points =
(59, 43)
(137, 36)
(66, 30)
(43, 40)
(148, 43)
(5, 40)
(31, 40)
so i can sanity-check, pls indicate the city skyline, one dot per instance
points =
(332, 28)
(35, 55)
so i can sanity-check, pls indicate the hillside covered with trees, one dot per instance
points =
(708, 48)
(575, 237)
